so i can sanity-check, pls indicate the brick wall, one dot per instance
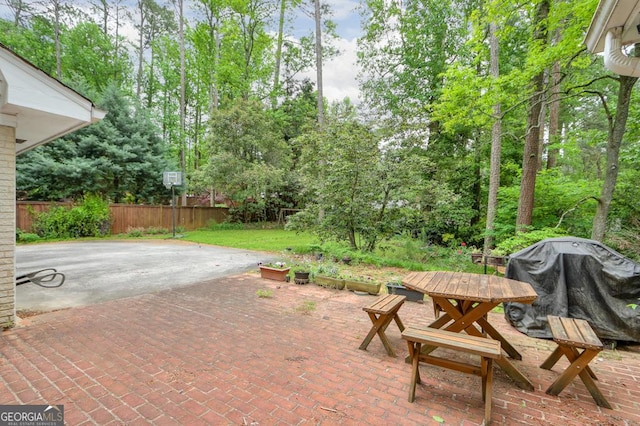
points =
(7, 225)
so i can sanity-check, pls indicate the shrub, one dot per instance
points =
(26, 237)
(52, 223)
(135, 232)
(88, 219)
(156, 231)
(626, 240)
(525, 239)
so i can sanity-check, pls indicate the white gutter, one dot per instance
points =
(614, 59)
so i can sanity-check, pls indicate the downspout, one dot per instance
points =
(614, 59)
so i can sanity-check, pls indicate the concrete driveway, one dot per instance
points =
(99, 271)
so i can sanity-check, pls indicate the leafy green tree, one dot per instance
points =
(364, 192)
(247, 157)
(153, 20)
(90, 61)
(32, 42)
(120, 158)
(246, 49)
(563, 202)
(405, 49)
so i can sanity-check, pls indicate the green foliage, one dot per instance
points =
(135, 232)
(420, 170)
(306, 307)
(400, 251)
(26, 237)
(525, 239)
(361, 193)
(91, 59)
(406, 34)
(141, 232)
(119, 157)
(560, 201)
(626, 239)
(247, 160)
(326, 269)
(90, 218)
(224, 226)
(264, 293)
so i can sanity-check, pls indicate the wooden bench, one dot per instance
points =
(382, 312)
(486, 348)
(572, 334)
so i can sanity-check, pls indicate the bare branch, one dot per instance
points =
(575, 207)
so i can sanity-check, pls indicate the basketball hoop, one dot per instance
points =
(171, 179)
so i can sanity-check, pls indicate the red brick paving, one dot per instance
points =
(216, 353)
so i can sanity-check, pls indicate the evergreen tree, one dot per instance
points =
(121, 157)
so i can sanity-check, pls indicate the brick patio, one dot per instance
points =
(216, 353)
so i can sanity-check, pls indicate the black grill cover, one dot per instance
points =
(576, 278)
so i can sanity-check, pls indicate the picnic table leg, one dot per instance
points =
(476, 315)
(380, 324)
(557, 354)
(398, 322)
(487, 387)
(414, 354)
(460, 321)
(552, 359)
(510, 369)
(506, 346)
(579, 367)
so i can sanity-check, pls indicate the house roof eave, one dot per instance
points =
(611, 14)
(40, 107)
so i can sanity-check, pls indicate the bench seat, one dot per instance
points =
(579, 343)
(487, 349)
(381, 312)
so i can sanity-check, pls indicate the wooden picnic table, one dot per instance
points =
(466, 299)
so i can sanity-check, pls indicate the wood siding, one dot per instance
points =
(127, 216)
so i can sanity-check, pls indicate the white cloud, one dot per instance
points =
(339, 74)
(343, 9)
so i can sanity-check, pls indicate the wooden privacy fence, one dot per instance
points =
(127, 216)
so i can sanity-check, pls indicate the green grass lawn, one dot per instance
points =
(270, 240)
(409, 255)
(398, 252)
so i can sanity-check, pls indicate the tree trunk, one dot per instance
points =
(318, 20)
(276, 72)
(17, 7)
(496, 148)
(532, 138)
(542, 120)
(56, 13)
(183, 144)
(554, 116)
(140, 48)
(116, 40)
(103, 8)
(614, 141)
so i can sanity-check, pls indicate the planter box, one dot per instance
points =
(496, 260)
(367, 287)
(301, 277)
(275, 274)
(330, 282)
(412, 295)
